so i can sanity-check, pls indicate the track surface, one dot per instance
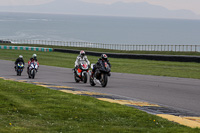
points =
(178, 93)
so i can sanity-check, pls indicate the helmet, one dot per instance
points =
(20, 56)
(34, 55)
(82, 53)
(104, 56)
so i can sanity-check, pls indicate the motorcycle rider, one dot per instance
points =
(19, 59)
(81, 57)
(104, 57)
(33, 58)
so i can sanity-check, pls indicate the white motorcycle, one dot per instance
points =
(81, 73)
(32, 69)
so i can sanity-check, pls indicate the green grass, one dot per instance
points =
(112, 51)
(145, 67)
(27, 108)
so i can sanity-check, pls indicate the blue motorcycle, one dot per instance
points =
(19, 68)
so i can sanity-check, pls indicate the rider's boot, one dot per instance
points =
(92, 75)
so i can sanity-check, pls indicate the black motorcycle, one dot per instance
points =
(19, 68)
(101, 74)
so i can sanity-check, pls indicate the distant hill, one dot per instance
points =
(141, 9)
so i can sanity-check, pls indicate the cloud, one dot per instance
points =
(23, 2)
(192, 5)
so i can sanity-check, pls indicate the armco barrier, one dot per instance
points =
(26, 48)
(178, 58)
(125, 47)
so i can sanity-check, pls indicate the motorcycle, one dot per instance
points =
(19, 68)
(100, 75)
(81, 73)
(32, 69)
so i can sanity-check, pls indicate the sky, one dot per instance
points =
(192, 5)
(23, 2)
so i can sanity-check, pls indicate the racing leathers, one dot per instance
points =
(19, 60)
(98, 64)
(29, 63)
(79, 59)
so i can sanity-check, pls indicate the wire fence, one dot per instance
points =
(126, 47)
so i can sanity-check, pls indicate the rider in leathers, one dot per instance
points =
(104, 57)
(33, 58)
(81, 57)
(20, 59)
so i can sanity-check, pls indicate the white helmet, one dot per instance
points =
(20, 56)
(34, 55)
(82, 53)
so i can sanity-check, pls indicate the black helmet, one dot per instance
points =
(104, 56)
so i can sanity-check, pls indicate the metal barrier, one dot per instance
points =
(126, 47)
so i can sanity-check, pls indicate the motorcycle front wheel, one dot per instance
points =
(19, 73)
(85, 78)
(92, 81)
(76, 80)
(32, 74)
(104, 79)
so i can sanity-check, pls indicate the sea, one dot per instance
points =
(99, 29)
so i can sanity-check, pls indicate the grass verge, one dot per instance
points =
(145, 67)
(29, 108)
(111, 51)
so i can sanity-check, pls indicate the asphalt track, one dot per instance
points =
(177, 93)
